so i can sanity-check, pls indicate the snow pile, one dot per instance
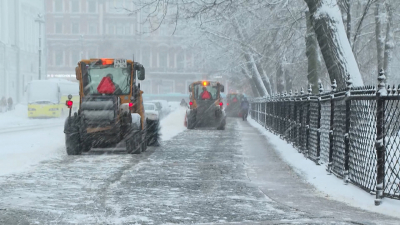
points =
(327, 184)
(173, 124)
(20, 150)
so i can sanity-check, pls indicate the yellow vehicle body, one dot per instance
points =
(43, 98)
(44, 110)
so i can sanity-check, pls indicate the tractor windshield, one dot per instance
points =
(119, 76)
(200, 92)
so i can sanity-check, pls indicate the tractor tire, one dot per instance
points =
(191, 122)
(72, 144)
(133, 145)
(152, 132)
(222, 125)
(143, 144)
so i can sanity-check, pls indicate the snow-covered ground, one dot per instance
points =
(19, 118)
(44, 138)
(328, 185)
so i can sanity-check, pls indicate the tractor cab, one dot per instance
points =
(233, 102)
(206, 106)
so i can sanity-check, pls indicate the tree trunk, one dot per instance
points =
(313, 57)
(380, 39)
(389, 42)
(348, 20)
(333, 42)
(251, 83)
(250, 62)
(280, 74)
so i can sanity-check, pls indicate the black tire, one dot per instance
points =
(143, 144)
(132, 145)
(72, 144)
(222, 125)
(191, 122)
(152, 132)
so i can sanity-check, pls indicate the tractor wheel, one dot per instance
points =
(222, 125)
(72, 144)
(152, 132)
(133, 145)
(143, 143)
(191, 122)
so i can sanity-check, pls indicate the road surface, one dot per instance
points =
(199, 176)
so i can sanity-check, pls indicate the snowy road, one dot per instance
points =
(198, 176)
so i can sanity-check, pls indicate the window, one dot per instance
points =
(120, 29)
(75, 28)
(59, 58)
(180, 61)
(163, 59)
(111, 29)
(75, 57)
(92, 29)
(92, 54)
(75, 6)
(58, 7)
(146, 57)
(92, 6)
(128, 29)
(59, 27)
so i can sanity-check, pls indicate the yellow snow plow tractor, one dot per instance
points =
(110, 109)
(206, 107)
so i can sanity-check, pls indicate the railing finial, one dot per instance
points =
(349, 82)
(291, 93)
(309, 89)
(321, 87)
(296, 92)
(334, 85)
(302, 91)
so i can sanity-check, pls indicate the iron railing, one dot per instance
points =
(355, 131)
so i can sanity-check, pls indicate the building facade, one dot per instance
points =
(78, 29)
(19, 46)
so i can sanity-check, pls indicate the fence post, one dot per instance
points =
(308, 120)
(380, 138)
(321, 90)
(349, 83)
(302, 122)
(333, 86)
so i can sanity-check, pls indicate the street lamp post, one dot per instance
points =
(40, 20)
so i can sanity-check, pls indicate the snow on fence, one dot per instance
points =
(354, 131)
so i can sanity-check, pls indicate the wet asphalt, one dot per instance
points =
(202, 176)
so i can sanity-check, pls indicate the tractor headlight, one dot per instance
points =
(152, 116)
(31, 109)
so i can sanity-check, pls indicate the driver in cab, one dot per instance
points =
(205, 95)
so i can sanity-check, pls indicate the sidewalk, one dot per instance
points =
(267, 168)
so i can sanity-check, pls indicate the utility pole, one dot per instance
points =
(40, 20)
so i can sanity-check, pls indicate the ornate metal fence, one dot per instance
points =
(355, 131)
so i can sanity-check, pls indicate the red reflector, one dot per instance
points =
(106, 86)
(69, 103)
(221, 103)
(190, 103)
(130, 104)
(227, 104)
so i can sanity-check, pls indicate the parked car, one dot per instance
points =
(165, 108)
(151, 111)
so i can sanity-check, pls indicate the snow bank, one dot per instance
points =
(173, 124)
(20, 150)
(327, 184)
(19, 118)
